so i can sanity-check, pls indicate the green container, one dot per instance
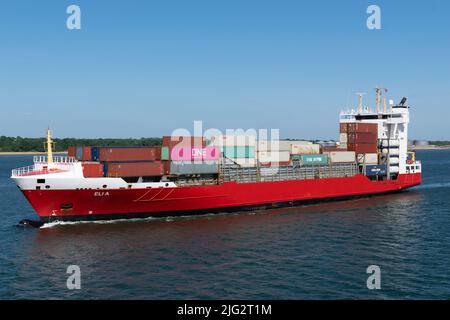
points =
(311, 159)
(239, 152)
(165, 153)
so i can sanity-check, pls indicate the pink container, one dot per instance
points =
(193, 153)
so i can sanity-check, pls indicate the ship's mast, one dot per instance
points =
(49, 147)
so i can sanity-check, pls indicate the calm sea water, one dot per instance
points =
(311, 252)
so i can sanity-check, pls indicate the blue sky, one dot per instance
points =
(144, 68)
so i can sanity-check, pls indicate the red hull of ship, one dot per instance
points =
(135, 203)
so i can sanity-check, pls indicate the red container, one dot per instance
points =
(362, 137)
(87, 155)
(343, 127)
(362, 127)
(129, 154)
(363, 147)
(72, 151)
(187, 141)
(92, 169)
(135, 169)
(331, 149)
(274, 164)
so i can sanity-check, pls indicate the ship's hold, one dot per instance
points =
(375, 170)
(117, 154)
(341, 156)
(273, 156)
(368, 158)
(238, 152)
(135, 169)
(311, 159)
(193, 168)
(92, 169)
(194, 153)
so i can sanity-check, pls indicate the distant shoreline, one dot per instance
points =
(28, 153)
(430, 147)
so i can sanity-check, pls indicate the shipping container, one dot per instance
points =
(185, 141)
(341, 156)
(135, 169)
(362, 127)
(273, 156)
(343, 138)
(274, 164)
(233, 141)
(362, 137)
(368, 158)
(245, 162)
(92, 169)
(273, 145)
(311, 159)
(311, 148)
(165, 153)
(72, 151)
(117, 154)
(363, 147)
(191, 168)
(95, 152)
(238, 152)
(193, 154)
(87, 156)
(375, 170)
(79, 153)
(343, 127)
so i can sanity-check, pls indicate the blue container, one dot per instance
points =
(95, 151)
(375, 170)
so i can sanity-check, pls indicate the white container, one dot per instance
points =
(233, 141)
(342, 146)
(343, 138)
(273, 145)
(368, 158)
(273, 156)
(341, 156)
(245, 162)
(305, 148)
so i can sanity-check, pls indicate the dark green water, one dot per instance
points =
(314, 252)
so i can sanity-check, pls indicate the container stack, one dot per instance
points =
(240, 149)
(273, 153)
(362, 137)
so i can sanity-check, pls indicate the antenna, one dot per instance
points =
(360, 101)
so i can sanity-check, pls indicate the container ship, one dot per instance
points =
(224, 173)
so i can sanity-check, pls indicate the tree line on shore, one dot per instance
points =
(20, 144)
